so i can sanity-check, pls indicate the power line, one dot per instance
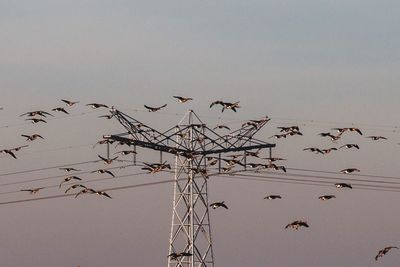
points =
(72, 194)
(49, 168)
(357, 185)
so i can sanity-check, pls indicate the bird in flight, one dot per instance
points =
(343, 185)
(273, 197)
(69, 178)
(275, 167)
(102, 193)
(32, 137)
(222, 127)
(289, 129)
(69, 103)
(154, 109)
(33, 190)
(279, 136)
(107, 161)
(376, 137)
(85, 191)
(9, 152)
(104, 171)
(384, 251)
(313, 149)
(182, 99)
(96, 105)
(74, 187)
(108, 117)
(218, 204)
(102, 142)
(175, 256)
(36, 120)
(69, 169)
(350, 170)
(328, 150)
(126, 152)
(156, 167)
(59, 109)
(353, 129)
(331, 136)
(36, 113)
(272, 159)
(226, 105)
(297, 224)
(326, 197)
(350, 146)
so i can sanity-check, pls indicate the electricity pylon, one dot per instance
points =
(192, 142)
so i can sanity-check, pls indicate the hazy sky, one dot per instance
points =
(317, 64)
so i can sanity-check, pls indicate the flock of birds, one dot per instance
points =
(40, 116)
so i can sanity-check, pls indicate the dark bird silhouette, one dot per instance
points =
(182, 99)
(353, 129)
(104, 141)
(125, 152)
(175, 256)
(104, 171)
(156, 167)
(289, 129)
(275, 167)
(253, 153)
(297, 224)
(218, 204)
(343, 185)
(313, 149)
(32, 137)
(69, 103)
(231, 106)
(96, 105)
(154, 109)
(383, 251)
(108, 117)
(74, 187)
(85, 191)
(33, 190)
(36, 113)
(107, 161)
(254, 165)
(326, 197)
(218, 102)
(60, 110)
(273, 159)
(350, 170)
(68, 169)
(226, 105)
(35, 120)
(340, 130)
(376, 137)
(350, 146)
(291, 133)
(222, 127)
(102, 193)
(328, 150)
(69, 178)
(273, 197)
(279, 136)
(331, 136)
(9, 152)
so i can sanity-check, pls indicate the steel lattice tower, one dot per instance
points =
(191, 141)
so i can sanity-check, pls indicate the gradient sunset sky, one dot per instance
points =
(317, 64)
